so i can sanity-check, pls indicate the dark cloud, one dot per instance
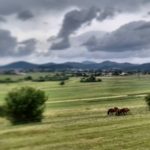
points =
(134, 36)
(106, 14)
(14, 6)
(27, 47)
(2, 19)
(60, 44)
(10, 47)
(130, 37)
(75, 19)
(8, 43)
(144, 26)
(25, 15)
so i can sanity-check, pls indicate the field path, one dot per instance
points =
(97, 98)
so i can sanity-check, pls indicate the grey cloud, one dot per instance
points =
(107, 13)
(74, 19)
(25, 15)
(27, 47)
(9, 45)
(63, 43)
(14, 6)
(129, 37)
(144, 26)
(2, 19)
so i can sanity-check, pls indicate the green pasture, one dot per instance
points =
(76, 116)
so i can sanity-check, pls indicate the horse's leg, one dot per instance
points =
(108, 112)
(117, 113)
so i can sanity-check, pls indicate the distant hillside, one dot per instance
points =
(19, 65)
(106, 65)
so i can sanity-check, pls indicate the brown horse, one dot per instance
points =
(112, 110)
(122, 111)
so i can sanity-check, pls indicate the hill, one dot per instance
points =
(106, 65)
(19, 65)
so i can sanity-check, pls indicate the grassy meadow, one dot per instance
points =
(76, 116)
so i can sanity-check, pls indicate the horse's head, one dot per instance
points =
(116, 108)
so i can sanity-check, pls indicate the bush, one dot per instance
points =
(62, 83)
(99, 80)
(147, 99)
(25, 105)
(28, 78)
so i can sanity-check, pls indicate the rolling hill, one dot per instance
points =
(106, 65)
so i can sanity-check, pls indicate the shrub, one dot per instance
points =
(99, 80)
(25, 105)
(28, 78)
(62, 83)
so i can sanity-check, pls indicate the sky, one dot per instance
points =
(41, 31)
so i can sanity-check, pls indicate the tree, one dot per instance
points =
(25, 105)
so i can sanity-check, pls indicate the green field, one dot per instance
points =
(76, 119)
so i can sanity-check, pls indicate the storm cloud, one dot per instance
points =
(27, 47)
(25, 15)
(75, 19)
(85, 29)
(9, 45)
(61, 44)
(14, 6)
(134, 36)
(2, 19)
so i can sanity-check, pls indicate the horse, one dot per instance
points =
(122, 111)
(112, 110)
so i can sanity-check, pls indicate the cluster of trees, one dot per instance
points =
(9, 80)
(90, 78)
(55, 77)
(87, 73)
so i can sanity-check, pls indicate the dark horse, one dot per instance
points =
(122, 111)
(112, 111)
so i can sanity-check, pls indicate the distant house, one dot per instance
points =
(16, 72)
(123, 74)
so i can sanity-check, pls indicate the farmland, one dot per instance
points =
(76, 119)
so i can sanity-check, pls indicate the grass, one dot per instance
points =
(76, 119)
